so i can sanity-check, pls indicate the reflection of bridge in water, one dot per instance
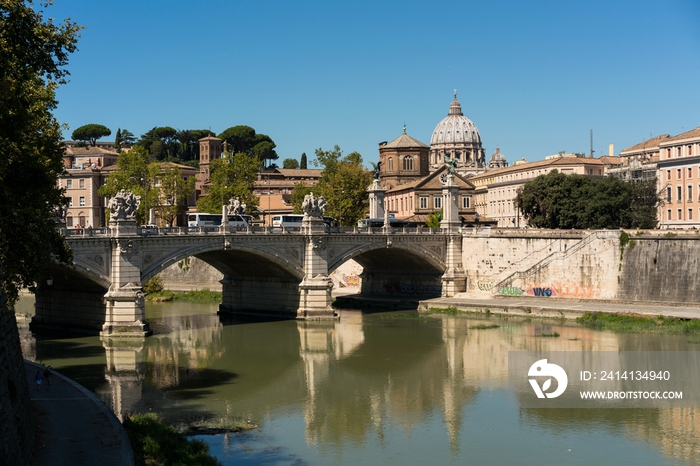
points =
(354, 379)
(266, 271)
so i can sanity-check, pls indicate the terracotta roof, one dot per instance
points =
(298, 172)
(538, 164)
(608, 160)
(86, 151)
(693, 133)
(404, 142)
(652, 143)
(432, 181)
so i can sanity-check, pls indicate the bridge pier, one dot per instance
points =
(315, 289)
(124, 301)
(454, 280)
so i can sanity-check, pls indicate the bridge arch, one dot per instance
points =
(234, 260)
(396, 267)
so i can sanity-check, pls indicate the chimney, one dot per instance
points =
(611, 150)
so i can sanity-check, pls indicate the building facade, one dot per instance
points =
(678, 177)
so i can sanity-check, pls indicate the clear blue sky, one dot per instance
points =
(533, 76)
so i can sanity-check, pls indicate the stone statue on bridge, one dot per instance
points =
(314, 206)
(235, 207)
(123, 206)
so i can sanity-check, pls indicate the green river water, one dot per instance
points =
(371, 388)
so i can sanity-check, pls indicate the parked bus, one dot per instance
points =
(287, 221)
(197, 219)
(294, 221)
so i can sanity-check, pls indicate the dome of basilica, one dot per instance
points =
(455, 128)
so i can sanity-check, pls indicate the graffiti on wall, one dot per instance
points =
(341, 280)
(562, 289)
(485, 285)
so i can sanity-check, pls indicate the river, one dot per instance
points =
(371, 388)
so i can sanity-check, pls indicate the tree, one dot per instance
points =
(575, 201)
(160, 142)
(90, 133)
(137, 175)
(128, 137)
(33, 52)
(243, 139)
(302, 163)
(290, 163)
(118, 140)
(343, 183)
(232, 176)
(434, 219)
(174, 191)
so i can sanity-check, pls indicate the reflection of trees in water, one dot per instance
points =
(193, 343)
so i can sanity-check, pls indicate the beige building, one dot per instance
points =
(678, 178)
(415, 201)
(84, 176)
(495, 190)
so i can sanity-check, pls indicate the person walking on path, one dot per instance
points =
(47, 376)
(38, 378)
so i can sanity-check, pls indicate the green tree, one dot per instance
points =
(90, 133)
(135, 174)
(434, 219)
(243, 139)
(343, 183)
(128, 137)
(290, 163)
(118, 140)
(298, 193)
(160, 142)
(33, 52)
(173, 191)
(231, 177)
(575, 201)
(302, 163)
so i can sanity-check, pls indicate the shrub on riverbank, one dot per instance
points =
(156, 443)
(629, 323)
(204, 295)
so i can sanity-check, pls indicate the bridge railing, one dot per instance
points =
(218, 230)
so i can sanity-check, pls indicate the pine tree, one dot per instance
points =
(302, 164)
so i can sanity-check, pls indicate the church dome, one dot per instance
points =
(455, 128)
(498, 160)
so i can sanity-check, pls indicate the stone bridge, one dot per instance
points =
(284, 273)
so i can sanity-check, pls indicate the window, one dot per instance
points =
(668, 214)
(424, 202)
(437, 200)
(690, 172)
(679, 194)
(678, 174)
(690, 150)
(69, 184)
(69, 221)
(668, 174)
(668, 194)
(690, 214)
(408, 163)
(391, 164)
(690, 193)
(81, 219)
(679, 151)
(680, 215)
(70, 201)
(466, 202)
(82, 201)
(81, 183)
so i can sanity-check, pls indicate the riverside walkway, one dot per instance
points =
(557, 308)
(73, 426)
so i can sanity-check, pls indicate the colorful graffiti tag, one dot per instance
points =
(485, 285)
(563, 289)
(511, 291)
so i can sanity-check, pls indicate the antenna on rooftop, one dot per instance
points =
(592, 151)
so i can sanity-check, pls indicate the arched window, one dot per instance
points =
(408, 163)
(391, 164)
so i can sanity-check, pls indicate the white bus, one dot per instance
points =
(287, 221)
(294, 221)
(197, 219)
